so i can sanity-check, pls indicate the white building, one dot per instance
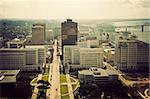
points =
(77, 58)
(132, 55)
(89, 43)
(98, 75)
(22, 58)
(92, 57)
(71, 54)
(41, 52)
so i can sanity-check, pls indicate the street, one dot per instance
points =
(54, 91)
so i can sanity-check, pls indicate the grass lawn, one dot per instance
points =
(65, 97)
(72, 80)
(45, 78)
(63, 78)
(46, 71)
(34, 81)
(64, 89)
(74, 86)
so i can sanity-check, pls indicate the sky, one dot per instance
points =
(75, 9)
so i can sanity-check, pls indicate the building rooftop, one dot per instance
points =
(17, 41)
(8, 76)
(38, 27)
(109, 49)
(35, 46)
(86, 72)
(112, 72)
(98, 72)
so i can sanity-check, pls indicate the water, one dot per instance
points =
(142, 36)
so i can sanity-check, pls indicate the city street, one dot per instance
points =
(54, 91)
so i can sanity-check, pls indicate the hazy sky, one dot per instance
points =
(75, 9)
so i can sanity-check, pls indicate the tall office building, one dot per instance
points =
(69, 30)
(132, 55)
(38, 34)
(69, 33)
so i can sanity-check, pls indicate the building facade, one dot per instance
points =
(132, 55)
(38, 34)
(69, 30)
(76, 58)
(25, 59)
(92, 57)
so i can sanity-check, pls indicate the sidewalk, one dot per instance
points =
(70, 91)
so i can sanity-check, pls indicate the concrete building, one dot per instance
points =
(26, 59)
(49, 35)
(9, 76)
(132, 55)
(92, 57)
(28, 39)
(71, 55)
(109, 55)
(16, 43)
(98, 75)
(69, 31)
(84, 31)
(89, 43)
(38, 34)
(76, 58)
(1, 41)
(41, 52)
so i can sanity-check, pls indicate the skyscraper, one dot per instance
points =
(69, 33)
(38, 34)
(69, 30)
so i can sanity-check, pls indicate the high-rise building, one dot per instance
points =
(38, 34)
(69, 30)
(132, 54)
(69, 33)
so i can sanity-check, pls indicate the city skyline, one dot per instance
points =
(79, 9)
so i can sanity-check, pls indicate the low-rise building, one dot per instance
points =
(30, 58)
(16, 43)
(97, 75)
(9, 76)
(78, 58)
(92, 57)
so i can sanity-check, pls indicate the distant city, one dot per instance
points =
(74, 59)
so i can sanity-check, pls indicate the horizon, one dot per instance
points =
(78, 10)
